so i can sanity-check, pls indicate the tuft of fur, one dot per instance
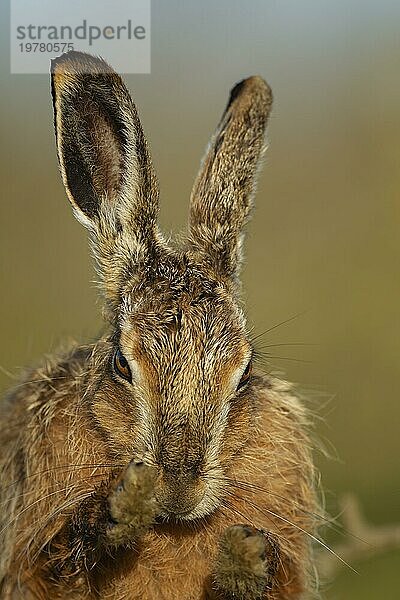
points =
(190, 477)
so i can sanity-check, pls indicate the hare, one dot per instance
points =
(156, 463)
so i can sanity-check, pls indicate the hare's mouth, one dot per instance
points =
(183, 506)
(184, 517)
(206, 503)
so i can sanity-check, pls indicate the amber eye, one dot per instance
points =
(121, 366)
(245, 377)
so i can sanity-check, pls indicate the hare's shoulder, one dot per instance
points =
(282, 406)
(57, 376)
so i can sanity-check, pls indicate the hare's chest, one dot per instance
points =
(165, 569)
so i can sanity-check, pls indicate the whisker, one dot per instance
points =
(251, 486)
(292, 318)
(247, 486)
(266, 356)
(16, 517)
(66, 467)
(64, 506)
(266, 511)
(32, 491)
(287, 344)
(43, 380)
(7, 373)
(226, 504)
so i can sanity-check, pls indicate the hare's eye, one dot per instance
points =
(245, 377)
(121, 366)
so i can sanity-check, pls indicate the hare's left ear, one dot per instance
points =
(222, 194)
(105, 166)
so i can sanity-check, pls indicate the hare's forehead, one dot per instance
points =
(182, 324)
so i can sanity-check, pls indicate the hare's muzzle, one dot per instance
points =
(179, 493)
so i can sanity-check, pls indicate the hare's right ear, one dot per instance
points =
(105, 165)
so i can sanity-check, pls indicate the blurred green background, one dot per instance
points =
(323, 242)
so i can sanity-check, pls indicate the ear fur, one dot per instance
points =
(105, 165)
(222, 194)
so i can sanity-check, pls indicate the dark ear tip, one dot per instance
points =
(253, 87)
(75, 62)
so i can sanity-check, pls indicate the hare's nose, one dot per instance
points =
(179, 493)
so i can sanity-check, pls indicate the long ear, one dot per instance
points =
(222, 194)
(105, 166)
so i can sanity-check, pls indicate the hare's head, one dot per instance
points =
(174, 386)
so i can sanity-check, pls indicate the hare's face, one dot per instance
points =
(175, 387)
(179, 396)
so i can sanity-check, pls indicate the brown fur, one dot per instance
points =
(217, 456)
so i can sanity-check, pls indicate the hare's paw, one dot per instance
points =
(132, 504)
(246, 563)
